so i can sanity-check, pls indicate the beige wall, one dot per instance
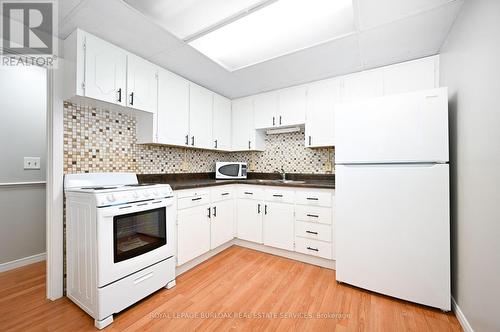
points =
(470, 67)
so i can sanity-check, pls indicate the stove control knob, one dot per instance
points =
(110, 198)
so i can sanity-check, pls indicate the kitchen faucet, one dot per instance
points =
(283, 173)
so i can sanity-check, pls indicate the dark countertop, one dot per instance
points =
(181, 181)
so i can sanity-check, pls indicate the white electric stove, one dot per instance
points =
(120, 241)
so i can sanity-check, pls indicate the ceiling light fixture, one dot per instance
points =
(279, 28)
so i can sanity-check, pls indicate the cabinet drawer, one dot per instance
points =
(313, 247)
(250, 192)
(125, 292)
(318, 198)
(222, 193)
(192, 193)
(316, 214)
(313, 231)
(187, 202)
(279, 195)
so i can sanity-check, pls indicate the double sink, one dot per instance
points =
(281, 181)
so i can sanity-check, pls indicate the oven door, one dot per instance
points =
(131, 237)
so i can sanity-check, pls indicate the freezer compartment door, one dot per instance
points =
(392, 230)
(410, 127)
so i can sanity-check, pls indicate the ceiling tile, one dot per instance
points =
(375, 13)
(417, 36)
(333, 58)
(125, 27)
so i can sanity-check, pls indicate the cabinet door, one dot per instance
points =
(105, 71)
(410, 76)
(278, 225)
(142, 84)
(173, 109)
(242, 123)
(193, 233)
(222, 226)
(321, 100)
(265, 110)
(221, 123)
(292, 106)
(200, 116)
(249, 220)
(363, 86)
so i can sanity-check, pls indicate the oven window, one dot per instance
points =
(230, 170)
(137, 233)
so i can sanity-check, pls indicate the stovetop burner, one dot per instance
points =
(99, 188)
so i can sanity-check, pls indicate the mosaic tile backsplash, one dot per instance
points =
(98, 140)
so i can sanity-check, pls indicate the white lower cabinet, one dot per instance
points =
(249, 219)
(221, 223)
(293, 219)
(193, 233)
(278, 225)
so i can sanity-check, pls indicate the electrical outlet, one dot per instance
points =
(184, 166)
(251, 166)
(31, 162)
(328, 167)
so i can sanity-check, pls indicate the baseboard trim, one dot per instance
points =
(326, 263)
(460, 316)
(22, 262)
(200, 259)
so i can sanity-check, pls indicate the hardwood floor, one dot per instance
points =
(239, 289)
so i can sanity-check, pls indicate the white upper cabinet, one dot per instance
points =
(200, 117)
(142, 84)
(221, 132)
(244, 135)
(411, 76)
(292, 106)
(105, 71)
(281, 108)
(322, 98)
(266, 110)
(363, 86)
(173, 109)
(242, 123)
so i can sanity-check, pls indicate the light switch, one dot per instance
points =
(31, 162)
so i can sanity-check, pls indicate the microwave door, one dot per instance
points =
(230, 170)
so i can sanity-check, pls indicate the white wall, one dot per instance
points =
(23, 104)
(470, 67)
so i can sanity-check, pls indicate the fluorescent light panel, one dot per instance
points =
(280, 28)
(185, 18)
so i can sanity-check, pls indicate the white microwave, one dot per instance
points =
(230, 170)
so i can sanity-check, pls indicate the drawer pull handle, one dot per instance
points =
(143, 278)
(248, 193)
(312, 198)
(196, 199)
(224, 194)
(311, 232)
(277, 195)
(313, 215)
(313, 249)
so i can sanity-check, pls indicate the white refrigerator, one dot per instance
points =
(392, 216)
